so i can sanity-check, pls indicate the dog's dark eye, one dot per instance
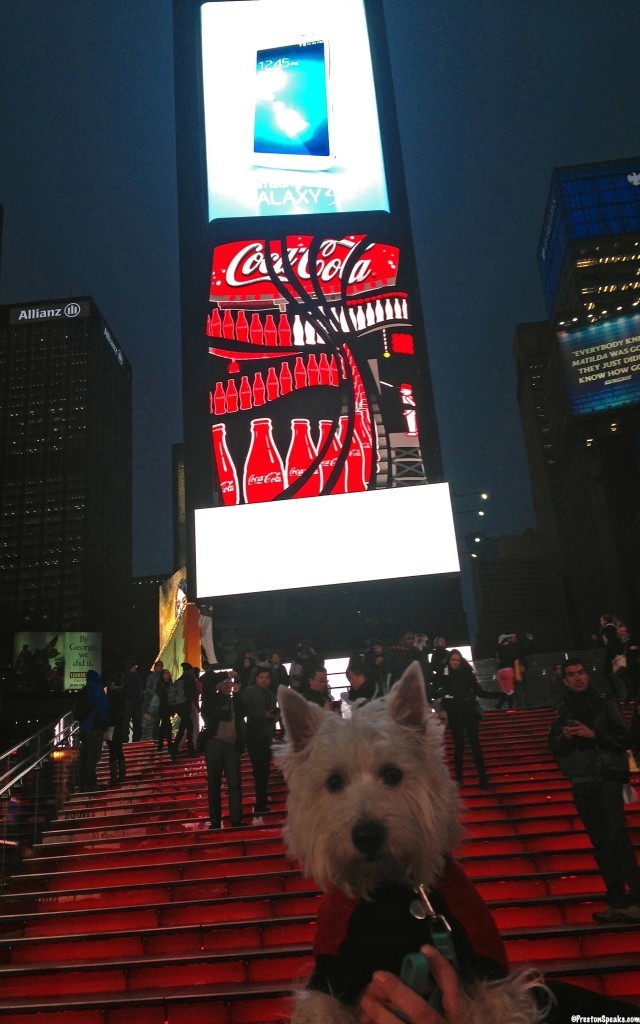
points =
(335, 782)
(391, 775)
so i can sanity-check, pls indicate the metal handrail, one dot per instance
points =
(45, 742)
(36, 777)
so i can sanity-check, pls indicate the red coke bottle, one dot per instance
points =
(244, 393)
(286, 380)
(284, 331)
(258, 389)
(242, 327)
(299, 457)
(312, 369)
(363, 433)
(325, 369)
(227, 325)
(355, 462)
(227, 478)
(299, 373)
(263, 470)
(255, 331)
(273, 390)
(219, 400)
(328, 463)
(232, 396)
(214, 323)
(270, 331)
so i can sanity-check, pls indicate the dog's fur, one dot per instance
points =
(384, 765)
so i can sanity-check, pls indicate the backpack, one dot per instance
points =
(82, 706)
(175, 693)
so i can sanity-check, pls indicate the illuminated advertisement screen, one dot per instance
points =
(60, 659)
(602, 364)
(315, 390)
(345, 539)
(172, 604)
(291, 120)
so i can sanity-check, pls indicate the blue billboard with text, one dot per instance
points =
(602, 364)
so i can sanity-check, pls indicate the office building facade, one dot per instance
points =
(65, 473)
(579, 389)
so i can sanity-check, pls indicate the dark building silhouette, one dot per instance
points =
(582, 428)
(179, 505)
(518, 589)
(65, 472)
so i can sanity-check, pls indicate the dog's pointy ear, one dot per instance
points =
(407, 702)
(301, 718)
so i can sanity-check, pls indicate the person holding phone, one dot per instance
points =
(589, 738)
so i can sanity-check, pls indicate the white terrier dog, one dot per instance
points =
(372, 817)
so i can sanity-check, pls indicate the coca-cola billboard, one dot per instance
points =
(314, 379)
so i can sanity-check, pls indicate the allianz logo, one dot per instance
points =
(71, 310)
(633, 178)
(116, 350)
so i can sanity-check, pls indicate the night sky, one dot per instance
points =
(491, 95)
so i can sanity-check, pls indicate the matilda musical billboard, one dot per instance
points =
(602, 364)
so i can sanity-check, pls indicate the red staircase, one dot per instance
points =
(132, 909)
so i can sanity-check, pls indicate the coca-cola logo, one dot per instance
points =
(228, 486)
(274, 477)
(244, 266)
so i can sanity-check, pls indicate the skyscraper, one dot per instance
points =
(65, 472)
(579, 388)
(307, 391)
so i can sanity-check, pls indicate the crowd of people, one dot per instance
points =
(590, 736)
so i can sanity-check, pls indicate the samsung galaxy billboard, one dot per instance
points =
(291, 120)
(602, 364)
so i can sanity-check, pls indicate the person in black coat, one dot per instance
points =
(118, 718)
(589, 739)
(223, 717)
(261, 712)
(459, 691)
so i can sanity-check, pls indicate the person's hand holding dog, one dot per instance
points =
(386, 997)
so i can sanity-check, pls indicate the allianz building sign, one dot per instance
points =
(66, 309)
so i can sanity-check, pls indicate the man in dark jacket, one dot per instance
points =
(261, 711)
(133, 692)
(182, 692)
(117, 717)
(222, 713)
(590, 738)
(92, 729)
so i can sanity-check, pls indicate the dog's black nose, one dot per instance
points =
(368, 837)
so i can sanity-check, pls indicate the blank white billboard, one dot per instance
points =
(314, 542)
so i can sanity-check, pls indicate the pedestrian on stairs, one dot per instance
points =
(223, 716)
(115, 733)
(92, 728)
(506, 656)
(458, 692)
(262, 713)
(590, 739)
(180, 701)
